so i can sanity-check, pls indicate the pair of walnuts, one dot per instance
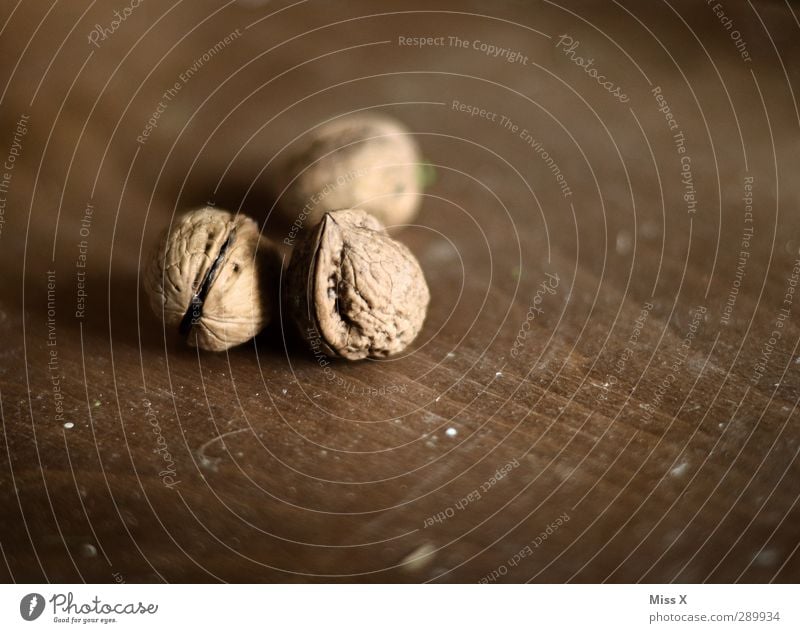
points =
(350, 288)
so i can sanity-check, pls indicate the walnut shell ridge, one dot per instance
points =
(362, 161)
(213, 278)
(353, 291)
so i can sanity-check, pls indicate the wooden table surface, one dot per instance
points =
(606, 386)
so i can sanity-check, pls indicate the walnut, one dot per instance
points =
(363, 161)
(212, 278)
(353, 291)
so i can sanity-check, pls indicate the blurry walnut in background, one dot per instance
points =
(213, 279)
(363, 161)
(353, 291)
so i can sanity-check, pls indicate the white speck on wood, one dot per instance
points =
(211, 463)
(680, 469)
(419, 559)
(767, 558)
(88, 550)
(624, 243)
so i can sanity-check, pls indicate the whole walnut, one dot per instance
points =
(213, 278)
(363, 161)
(353, 291)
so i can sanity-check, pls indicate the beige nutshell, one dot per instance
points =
(363, 161)
(353, 291)
(213, 278)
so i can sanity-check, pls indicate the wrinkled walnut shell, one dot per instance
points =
(353, 291)
(212, 279)
(362, 161)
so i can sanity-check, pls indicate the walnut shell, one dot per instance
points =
(362, 161)
(212, 278)
(353, 291)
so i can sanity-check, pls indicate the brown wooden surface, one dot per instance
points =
(684, 467)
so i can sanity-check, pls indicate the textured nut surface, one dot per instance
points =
(212, 278)
(353, 291)
(364, 161)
